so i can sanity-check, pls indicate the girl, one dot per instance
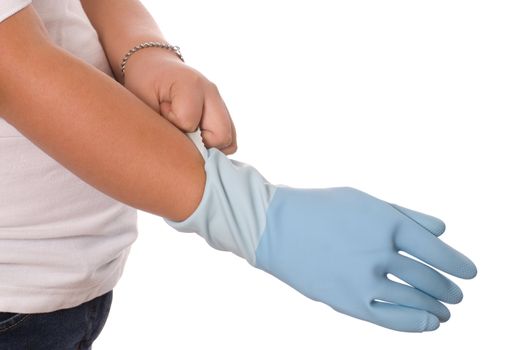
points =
(63, 241)
(79, 151)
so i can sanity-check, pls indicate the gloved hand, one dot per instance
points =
(334, 245)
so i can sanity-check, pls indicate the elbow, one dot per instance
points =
(192, 193)
(189, 188)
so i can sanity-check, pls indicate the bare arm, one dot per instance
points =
(158, 77)
(93, 126)
(121, 25)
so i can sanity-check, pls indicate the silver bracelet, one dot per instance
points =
(145, 45)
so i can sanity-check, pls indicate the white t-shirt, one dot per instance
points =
(62, 242)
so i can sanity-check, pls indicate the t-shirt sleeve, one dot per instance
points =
(10, 7)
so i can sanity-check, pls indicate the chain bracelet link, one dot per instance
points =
(174, 48)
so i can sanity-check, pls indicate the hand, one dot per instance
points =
(182, 95)
(333, 245)
(337, 246)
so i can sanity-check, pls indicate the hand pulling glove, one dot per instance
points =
(333, 245)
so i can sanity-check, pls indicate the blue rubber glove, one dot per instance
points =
(334, 245)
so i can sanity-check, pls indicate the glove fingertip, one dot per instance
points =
(432, 323)
(470, 270)
(464, 267)
(433, 224)
(455, 295)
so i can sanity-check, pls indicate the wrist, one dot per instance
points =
(115, 50)
(148, 51)
(147, 69)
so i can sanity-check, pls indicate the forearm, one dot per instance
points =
(121, 25)
(94, 127)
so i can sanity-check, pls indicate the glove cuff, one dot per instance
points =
(232, 213)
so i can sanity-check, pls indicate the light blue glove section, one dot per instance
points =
(231, 215)
(334, 245)
(337, 246)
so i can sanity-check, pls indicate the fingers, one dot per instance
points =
(425, 279)
(196, 102)
(184, 106)
(400, 294)
(402, 318)
(234, 146)
(425, 246)
(431, 223)
(217, 127)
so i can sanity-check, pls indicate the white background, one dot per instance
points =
(415, 102)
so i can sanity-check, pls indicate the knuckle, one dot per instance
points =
(186, 124)
(212, 86)
(227, 138)
(233, 148)
(200, 79)
(194, 78)
(230, 140)
(220, 140)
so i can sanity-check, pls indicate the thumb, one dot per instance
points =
(183, 107)
(431, 223)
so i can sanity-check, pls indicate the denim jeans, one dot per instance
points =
(67, 329)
